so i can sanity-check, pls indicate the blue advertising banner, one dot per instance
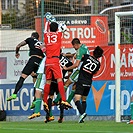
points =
(21, 105)
(100, 101)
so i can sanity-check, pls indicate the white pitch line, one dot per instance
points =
(61, 130)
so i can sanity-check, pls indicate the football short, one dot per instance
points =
(40, 82)
(74, 76)
(53, 68)
(82, 89)
(32, 65)
(41, 66)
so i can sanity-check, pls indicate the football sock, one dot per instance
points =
(71, 95)
(65, 87)
(19, 85)
(46, 92)
(79, 107)
(84, 105)
(61, 110)
(57, 99)
(38, 105)
(34, 94)
(131, 109)
(50, 113)
(49, 106)
(49, 103)
(62, 90)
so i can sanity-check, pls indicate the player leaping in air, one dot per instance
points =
(52, 39)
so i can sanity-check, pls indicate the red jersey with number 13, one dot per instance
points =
(53, 43)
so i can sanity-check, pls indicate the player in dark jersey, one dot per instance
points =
(36, 56)
(89, 67)
(64, 61)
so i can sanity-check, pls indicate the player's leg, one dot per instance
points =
(17, 87)
(53, 89)
(85, 93)
(84, 96)
(50, 99)
(28, 69)
(39, 85)
(57, 99)
(80, 108)
(131, 110)
(71, 95)
(48, 73)
(132, 107)
(49, 115)
(62, 93)
(34, 76)
(37, 104)
(73, 78)
(78, 95)
(60, 120)
(45, 96)
(77, 98)
(58, 75)
(84, 105)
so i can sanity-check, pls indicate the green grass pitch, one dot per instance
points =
(65, 127)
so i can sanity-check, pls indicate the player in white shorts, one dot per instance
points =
(39, 86)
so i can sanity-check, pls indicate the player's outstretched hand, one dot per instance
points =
(52, 19)
(17, 55)
(48, 15)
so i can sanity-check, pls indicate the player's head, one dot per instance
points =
(53, 26)
(35, 35)
(69, 57)
(75, 42)
(98, 52)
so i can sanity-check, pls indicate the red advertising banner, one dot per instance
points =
(3, 67)
(91, 30)
(107, 70)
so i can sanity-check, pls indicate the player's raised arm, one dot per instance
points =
(18, 47)
(48, 15)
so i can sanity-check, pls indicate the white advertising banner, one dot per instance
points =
(11, 67)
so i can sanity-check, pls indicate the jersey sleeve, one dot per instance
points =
(27, 40)
(80, 54)
(47, 27)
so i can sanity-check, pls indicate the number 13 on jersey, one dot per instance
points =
(52, 38)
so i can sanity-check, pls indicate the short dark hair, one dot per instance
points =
(75, 41)
(35, 34)
(98, 52)
(53, 27)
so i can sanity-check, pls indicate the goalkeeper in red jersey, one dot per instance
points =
(52, 39)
